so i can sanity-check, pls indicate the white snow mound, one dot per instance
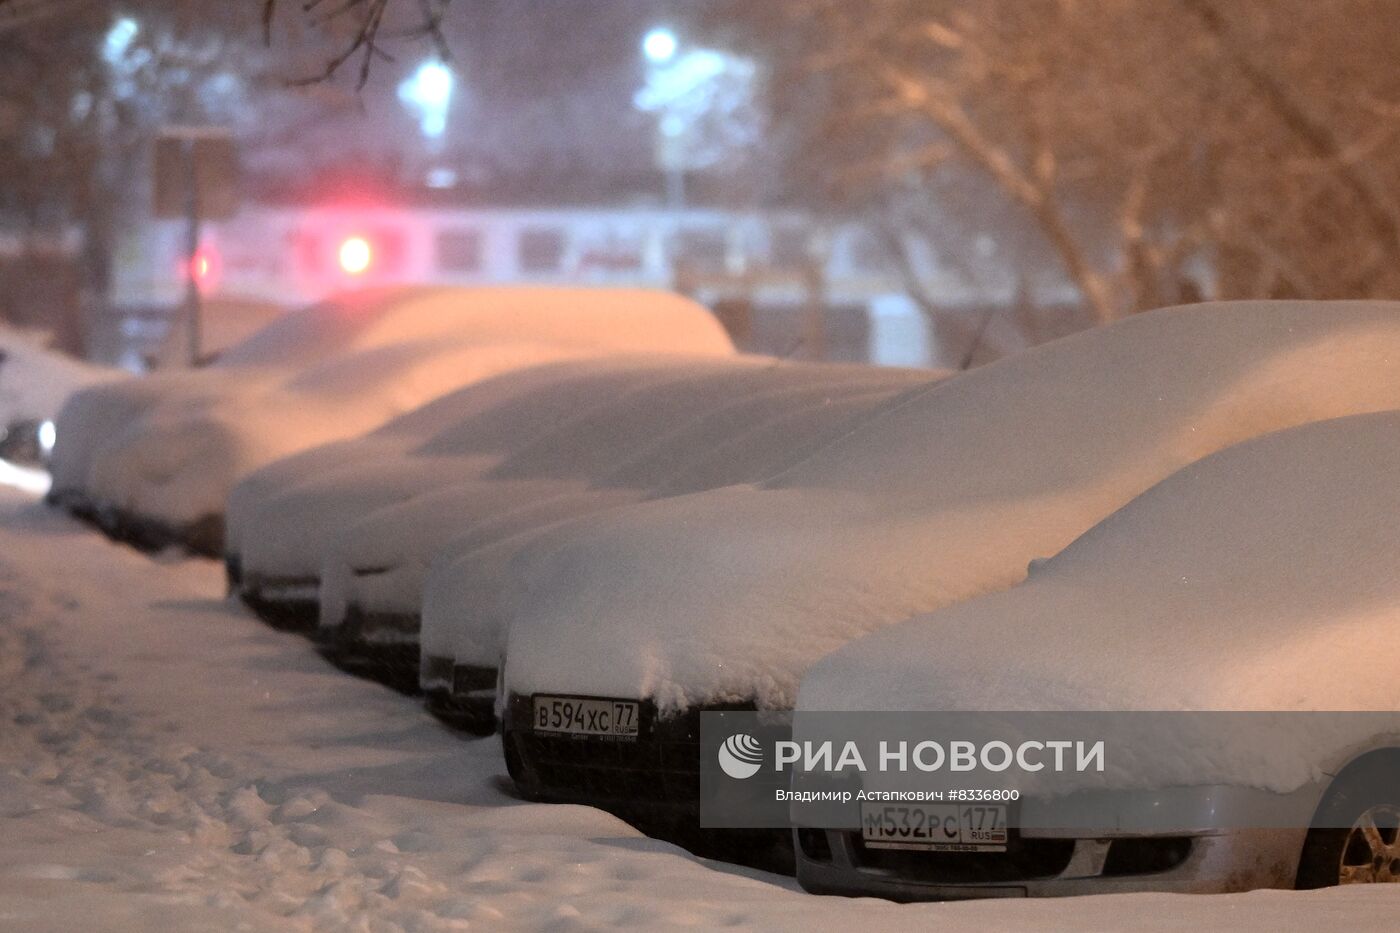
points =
(471, 583)
(1251, 580)
(35, 381)
(1260, 578)
(485, 419)
(170, 448)
(641, 460)
(732, 595)
(579, 422)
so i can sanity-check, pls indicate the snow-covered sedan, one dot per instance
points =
(593, 425)
(1261, 578)
(155, 458)
(34, 383)
(283, 517)
(726, 598)
(640, 448)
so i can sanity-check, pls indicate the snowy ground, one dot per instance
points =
(168, 762)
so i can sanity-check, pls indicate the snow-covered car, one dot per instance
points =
(283, 516)
(724, 599)
(155, 458)
(35, 381)
(1261, 578)
(585, 428)
(470, 585)
(661, 441)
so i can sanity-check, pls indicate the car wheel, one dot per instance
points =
(1367, 851)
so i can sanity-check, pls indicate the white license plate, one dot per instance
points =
(940, 827)
(586, 716)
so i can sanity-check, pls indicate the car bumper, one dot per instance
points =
(463, 696)
(379, 646)
(203, 537)
(292, 604)
(836, 862)
(657, 772)
(652, 781)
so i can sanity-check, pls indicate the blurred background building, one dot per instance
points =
(907, 182)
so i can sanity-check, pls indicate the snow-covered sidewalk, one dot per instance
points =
(166, 762)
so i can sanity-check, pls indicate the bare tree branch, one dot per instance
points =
(1033, 191)
(368, 18)
(1374, 202)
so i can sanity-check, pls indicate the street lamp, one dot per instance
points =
(119, 39)
(429, 91)
(659, 45)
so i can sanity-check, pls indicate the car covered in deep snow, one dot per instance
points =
(723, 600)
(594, 424)
(35, 381)
(470, 587)
(742, 427)
(283, 517)
(1261, 578)
(154, 458)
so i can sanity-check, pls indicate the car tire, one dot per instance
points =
(1355, 836)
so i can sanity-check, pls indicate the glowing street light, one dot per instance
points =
(700, 98)
(659, 45)
(119, 39)
(429, 91)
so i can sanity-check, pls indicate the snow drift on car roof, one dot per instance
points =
(170, 449)
(732, 594)
(1261, 577)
